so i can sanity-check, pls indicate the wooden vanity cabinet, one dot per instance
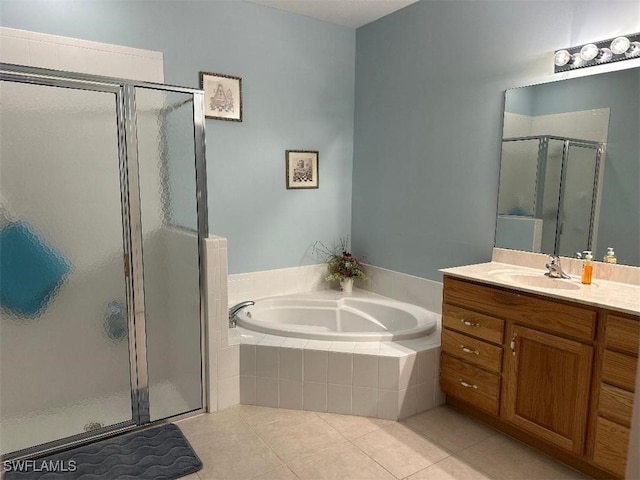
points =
(614, 389)
(558, 375)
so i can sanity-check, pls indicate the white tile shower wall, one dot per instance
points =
(403, 287)
(22, 47)
(222, 359)
(587, 125)
(393, 386)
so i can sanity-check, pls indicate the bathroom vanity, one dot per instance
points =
(550, 362)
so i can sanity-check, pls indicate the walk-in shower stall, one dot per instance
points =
(103, 212)
(548, 197)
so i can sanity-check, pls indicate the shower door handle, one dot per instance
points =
(126, 265)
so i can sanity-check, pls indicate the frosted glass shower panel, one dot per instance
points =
(166, 157)
(518, 171)
(578, 200)
(64, 358)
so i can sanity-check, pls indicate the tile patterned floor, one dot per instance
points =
(248, 442)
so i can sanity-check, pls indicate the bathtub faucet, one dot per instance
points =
(233, 311)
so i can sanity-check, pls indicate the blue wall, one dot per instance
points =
(430, 82)
(298, 81)
(429, 85)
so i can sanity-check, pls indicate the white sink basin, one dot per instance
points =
(536, 280)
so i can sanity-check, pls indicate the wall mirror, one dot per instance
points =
(570, 167)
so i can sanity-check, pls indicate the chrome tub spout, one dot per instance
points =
(233, 311)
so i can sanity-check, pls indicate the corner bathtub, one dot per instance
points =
(330, 315)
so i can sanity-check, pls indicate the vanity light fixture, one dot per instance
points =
(597, 53)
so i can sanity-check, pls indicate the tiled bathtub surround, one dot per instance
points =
(384, 380)
(285, 281)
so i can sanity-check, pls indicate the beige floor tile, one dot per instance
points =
(340, 462)
(450, 428)
(241, 457)
(213, 427)
(256, 415)
(280, 473)
(451, 468)
(351, 426)
(504, 458)
(193, 476)
(400, 450)
(294, 437)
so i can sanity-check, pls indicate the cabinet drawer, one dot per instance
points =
(473, 323)
(615, 404)
(610, 449)
(564, 319)
(470, 384)
(474, 351)
(622, 334)
(619, 370)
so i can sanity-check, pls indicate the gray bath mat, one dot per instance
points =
(153, 454)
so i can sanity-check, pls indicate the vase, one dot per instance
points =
(346, 285)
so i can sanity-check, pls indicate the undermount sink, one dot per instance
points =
(536, 280)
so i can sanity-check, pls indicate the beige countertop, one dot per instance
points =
(623, 297)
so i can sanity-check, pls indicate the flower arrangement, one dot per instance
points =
(342, 264)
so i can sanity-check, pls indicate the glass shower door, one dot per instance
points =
(170, 251)
(64, 354)
(577, 202)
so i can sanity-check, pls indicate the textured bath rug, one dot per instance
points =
(153, 454)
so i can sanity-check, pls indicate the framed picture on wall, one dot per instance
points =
(302, 169)
(222, 96)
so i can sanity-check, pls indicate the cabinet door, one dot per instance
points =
(546, 387)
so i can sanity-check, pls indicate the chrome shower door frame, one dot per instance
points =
(124, 91)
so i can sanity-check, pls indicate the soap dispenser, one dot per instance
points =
(610, 257)
(587, 267)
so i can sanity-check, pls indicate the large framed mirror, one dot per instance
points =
(570, 167)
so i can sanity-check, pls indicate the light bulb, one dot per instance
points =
(620, 45)
(633, 50)
(561, 58)
(604, 56)
(589, 52)
(576, 61)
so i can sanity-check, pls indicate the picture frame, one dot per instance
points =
(222, 96)
(302, 169)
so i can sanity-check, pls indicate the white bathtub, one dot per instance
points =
(330, 315)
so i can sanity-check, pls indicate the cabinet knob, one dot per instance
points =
(468, 350)
(468, 385)
(469, 324)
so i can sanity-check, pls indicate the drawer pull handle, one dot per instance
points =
(512, 345)
(468, 350)
(468, 385)
(470, 324)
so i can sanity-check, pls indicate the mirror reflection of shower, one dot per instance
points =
(549, 191)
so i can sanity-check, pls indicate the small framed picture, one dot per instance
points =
(222, 96)
(302, 169)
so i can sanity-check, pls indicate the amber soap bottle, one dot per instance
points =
(587, 268)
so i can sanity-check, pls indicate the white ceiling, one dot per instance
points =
(350, 13)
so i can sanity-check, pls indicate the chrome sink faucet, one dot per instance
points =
(555, 269)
